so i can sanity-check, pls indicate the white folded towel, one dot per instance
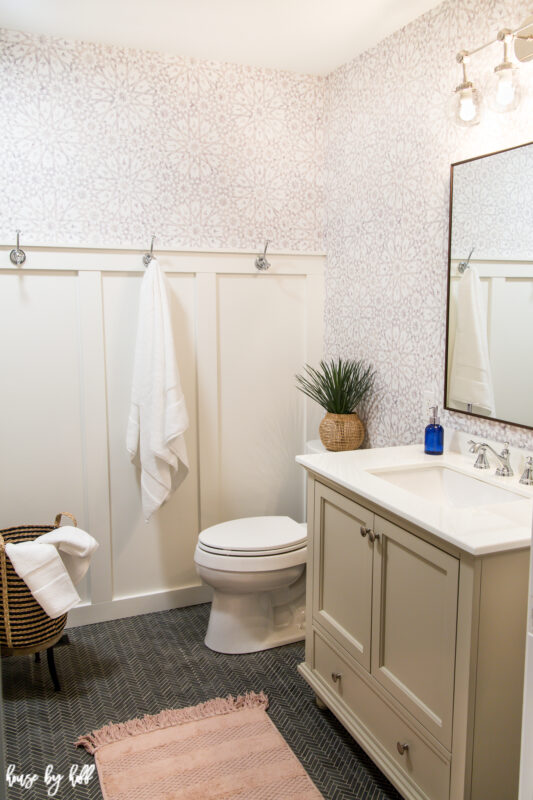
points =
(51, 565)
(470, 372)
(158, 415)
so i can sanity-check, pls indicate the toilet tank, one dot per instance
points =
(314, 446)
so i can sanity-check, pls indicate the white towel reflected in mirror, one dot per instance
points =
(470, 371)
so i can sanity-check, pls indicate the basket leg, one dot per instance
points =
(52, 669)
(37, 658)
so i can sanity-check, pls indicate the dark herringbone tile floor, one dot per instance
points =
(114, 671)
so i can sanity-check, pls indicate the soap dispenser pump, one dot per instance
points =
(434, 436)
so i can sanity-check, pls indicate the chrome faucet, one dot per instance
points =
(482, 462)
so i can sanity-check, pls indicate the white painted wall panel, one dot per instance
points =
(511, 349)
(153, 556)
(41, 457)
(507, 295)
(68, 323)
(262, 344)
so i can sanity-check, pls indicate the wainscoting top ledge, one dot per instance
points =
(120, 259)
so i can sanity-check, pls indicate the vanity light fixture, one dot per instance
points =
(503, 86)
(466, 100)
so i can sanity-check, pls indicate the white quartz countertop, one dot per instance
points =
(478, 530)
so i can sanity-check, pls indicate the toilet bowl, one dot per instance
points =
(256, 568)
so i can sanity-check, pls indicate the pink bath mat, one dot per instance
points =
(226, 748)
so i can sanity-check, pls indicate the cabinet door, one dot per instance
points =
(342, 596)
(415, 619)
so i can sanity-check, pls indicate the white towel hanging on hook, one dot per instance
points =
(158, 415)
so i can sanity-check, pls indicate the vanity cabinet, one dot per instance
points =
(417, 648)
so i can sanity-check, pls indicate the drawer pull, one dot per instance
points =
(336, 676)
(365, 531)
(401, 748)
(373, 536)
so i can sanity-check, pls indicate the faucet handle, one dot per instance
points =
(482, 461)
(527, 475)
(473, 448)
(505, 470)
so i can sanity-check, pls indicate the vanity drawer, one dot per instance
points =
(422, 763)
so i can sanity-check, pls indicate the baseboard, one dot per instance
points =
(90, 613)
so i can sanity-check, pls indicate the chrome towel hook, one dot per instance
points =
(465, 264)
(148, 257)
(261, 262)
(17, 256)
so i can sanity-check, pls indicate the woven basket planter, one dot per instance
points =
(341, 431)
(25, 627)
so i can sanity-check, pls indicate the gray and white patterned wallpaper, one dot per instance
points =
(102, 146)
(493, 206)
(389, 143)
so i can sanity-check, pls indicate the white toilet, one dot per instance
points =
(256, 567)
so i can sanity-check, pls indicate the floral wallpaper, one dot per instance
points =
(493, 207)
(103, 146)
(389, 143)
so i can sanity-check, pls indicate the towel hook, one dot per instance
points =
(148, 257)
(17, 256)
(261, 262)
(465, 264)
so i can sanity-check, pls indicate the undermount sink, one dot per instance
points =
(441, 484)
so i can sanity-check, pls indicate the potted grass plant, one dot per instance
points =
(339, 386)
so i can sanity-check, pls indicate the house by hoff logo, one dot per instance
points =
(78, 775)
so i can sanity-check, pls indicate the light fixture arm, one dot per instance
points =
(505, 35)
(463, 59)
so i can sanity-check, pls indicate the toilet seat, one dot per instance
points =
(253, 537)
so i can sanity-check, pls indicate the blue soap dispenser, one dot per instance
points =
(434, 437)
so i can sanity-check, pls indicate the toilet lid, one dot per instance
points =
(254, 536)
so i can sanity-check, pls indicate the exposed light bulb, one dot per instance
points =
(505, 91)
(503, 86)
(465, 104)
(467, 109)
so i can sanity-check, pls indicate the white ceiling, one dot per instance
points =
(312, 36)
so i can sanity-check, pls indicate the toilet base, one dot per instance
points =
(247, 623)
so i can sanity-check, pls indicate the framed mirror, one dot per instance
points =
(489, 335)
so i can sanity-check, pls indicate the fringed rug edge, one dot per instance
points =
(115, 732)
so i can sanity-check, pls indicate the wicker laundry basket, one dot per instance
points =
(24, 625)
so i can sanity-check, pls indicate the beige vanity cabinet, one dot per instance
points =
(342, 575)
(407, 646)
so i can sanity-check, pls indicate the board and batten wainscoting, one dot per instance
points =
(507, 292)
(68, 326)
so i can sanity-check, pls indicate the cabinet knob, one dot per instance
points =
(336, 676)
(369, 532)
(401, 748)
